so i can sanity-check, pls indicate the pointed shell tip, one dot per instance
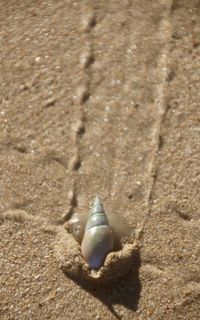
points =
(97, 205)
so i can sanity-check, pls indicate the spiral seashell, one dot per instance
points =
(98, 233)
(98, 237)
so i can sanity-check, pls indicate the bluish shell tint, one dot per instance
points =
(97, 243)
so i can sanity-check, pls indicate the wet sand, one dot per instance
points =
(100, 98)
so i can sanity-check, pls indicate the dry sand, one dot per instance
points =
(100, 97)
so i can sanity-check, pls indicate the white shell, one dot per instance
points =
(98, 233)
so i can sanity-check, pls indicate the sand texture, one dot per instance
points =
(100, 97)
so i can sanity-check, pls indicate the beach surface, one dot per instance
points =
(100, 97)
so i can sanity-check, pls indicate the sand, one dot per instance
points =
(100, 97)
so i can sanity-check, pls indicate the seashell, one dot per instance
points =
(98, 233)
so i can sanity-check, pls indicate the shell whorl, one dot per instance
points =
(97, 215)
